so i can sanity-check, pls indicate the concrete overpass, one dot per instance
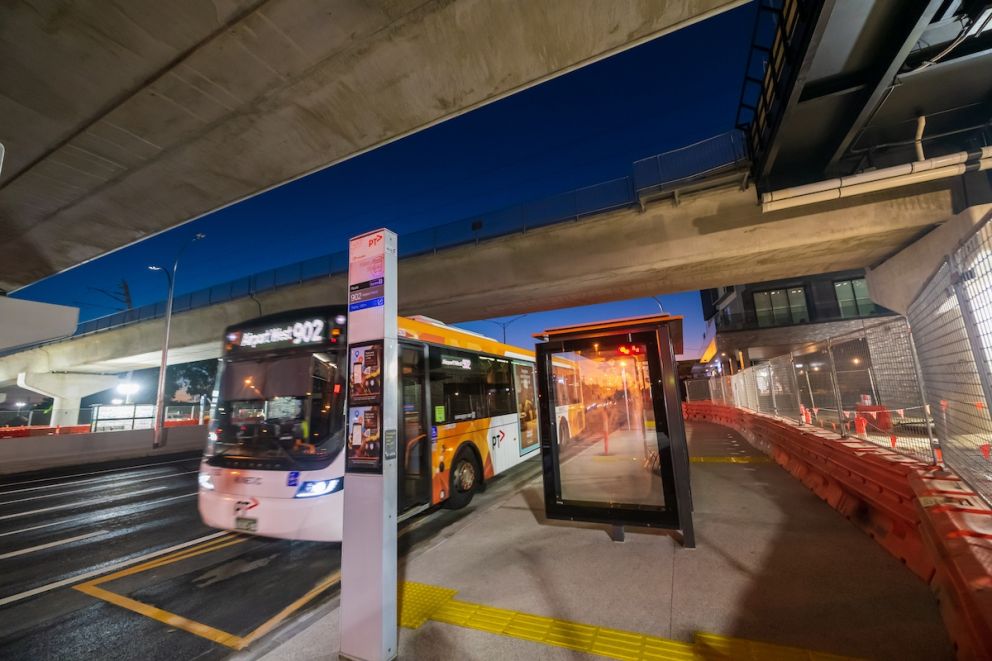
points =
(710, 237)
(123, 119)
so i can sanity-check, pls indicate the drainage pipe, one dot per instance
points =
(931, 169)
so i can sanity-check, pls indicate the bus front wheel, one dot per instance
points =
(464, 479)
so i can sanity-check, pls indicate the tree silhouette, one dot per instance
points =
(195, 379)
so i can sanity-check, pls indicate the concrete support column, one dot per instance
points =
(895, 282)
(65, 411)
(67, 391)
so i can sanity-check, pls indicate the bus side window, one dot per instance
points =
(457, 386)
(500, 398)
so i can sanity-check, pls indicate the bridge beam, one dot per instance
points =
(67, 391)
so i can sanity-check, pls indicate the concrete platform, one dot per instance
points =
(773, 564)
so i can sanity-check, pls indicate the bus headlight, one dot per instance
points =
(207, 481)
(319, 488)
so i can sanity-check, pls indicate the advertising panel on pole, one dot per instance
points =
(368, 554)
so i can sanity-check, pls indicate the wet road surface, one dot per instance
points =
(111, 561)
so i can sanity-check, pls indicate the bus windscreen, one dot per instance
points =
(278, 407)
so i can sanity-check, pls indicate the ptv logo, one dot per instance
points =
(375, 240)
(497, 439)
(243, 506)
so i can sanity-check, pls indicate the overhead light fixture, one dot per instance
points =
(128, 388)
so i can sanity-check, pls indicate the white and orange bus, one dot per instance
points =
(570, 409)
(274, 462)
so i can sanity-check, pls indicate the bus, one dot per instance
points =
(274, 460)
(570, 409)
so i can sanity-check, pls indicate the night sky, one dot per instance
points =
(579, 129)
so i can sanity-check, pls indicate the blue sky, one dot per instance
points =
(579, 129)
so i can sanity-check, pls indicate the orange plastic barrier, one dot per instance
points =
(880, 417)
(181, 423)
(924, 515)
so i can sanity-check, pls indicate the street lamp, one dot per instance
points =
(159, 438)
(504, 324)
(127, 389)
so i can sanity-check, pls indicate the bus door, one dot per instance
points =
(414, 455)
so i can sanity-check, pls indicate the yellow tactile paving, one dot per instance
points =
(418, 601)
(731, 460)
(438, 604)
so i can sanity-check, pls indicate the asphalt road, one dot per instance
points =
(111, 561)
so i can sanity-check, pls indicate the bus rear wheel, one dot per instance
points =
(464, 480)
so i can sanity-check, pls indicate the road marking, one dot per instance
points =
(109, 470)
(108, 481)
(41, 547)
(96, 572)
(170, 619)
(230, 640)
(68, 522)
(92, 488)
(44, 525)
(82, 503)
(329, 581)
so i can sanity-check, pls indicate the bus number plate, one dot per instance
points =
(246, 524)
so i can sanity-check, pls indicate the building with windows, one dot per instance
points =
(754, 322)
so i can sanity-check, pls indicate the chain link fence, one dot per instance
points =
(952, 328)
(863, 384)
(922, 388)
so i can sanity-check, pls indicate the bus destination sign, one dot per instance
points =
(306, 332)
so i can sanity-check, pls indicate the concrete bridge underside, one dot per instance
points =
(125, 118)
(713, 238)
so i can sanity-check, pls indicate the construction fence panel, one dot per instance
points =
(816, 387)
(784, 389)
(952, 326)
(739, 381)
(697, 390)
(897, 418)
(951, 378)
(763, 388)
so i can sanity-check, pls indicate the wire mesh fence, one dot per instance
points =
(952, 329)
(923, 388)
(864, 384)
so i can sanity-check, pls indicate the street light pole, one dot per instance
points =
(159, 431)
(504, 324)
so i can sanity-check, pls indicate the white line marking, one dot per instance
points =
(44, 525)
(109, 470)
(41, 547)
(92, 488)
(108, 480)
(104, 570)
(82, 503)
(69, 521)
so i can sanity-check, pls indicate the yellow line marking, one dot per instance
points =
(329, 581)
(743, 459)
(420, 602)
(165, 617)
(198, 628)
(169, 559)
